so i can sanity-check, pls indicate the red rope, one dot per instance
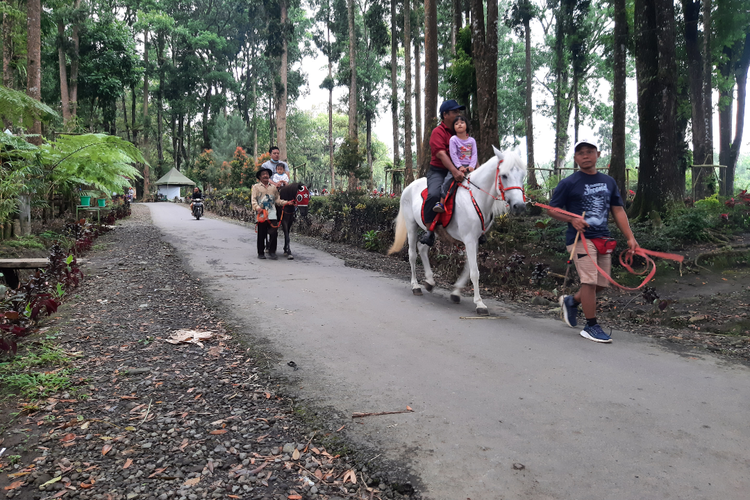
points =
(627, 261)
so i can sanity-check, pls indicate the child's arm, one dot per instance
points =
(453, 148)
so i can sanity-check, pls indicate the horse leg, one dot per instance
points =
(471, 263)
(412, 238)
(429, 279)
(460, 284)
(286, 226)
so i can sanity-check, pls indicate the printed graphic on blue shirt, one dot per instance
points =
(596, 205)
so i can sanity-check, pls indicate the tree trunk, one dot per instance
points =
(417, 97)
(330, 114)
(133, 113)
(736, 68)
(62, 62)
(146, 122)
(368, 147)
(282, 96)
(531, 181)
(484, 42)
(74, 63)
(708, 112)
(8, 50)
(456, 23)
(691, 10)
(34, 60)
(160, 98)
(394, 87)
(660, 183)
(352, 82)
(125, 115)
(206, 109)
(562, 113)
(619, 96)
(408, 160)
(430, 81)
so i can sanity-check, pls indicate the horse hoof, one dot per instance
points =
(416, 291)
(428, 286)
(483, 311)
(456, 299)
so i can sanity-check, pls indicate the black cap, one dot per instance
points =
(263, 169)
(450, 105)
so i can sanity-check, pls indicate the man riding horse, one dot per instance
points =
(440, 163)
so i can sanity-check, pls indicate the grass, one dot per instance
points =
(26, 242)
(41, 370)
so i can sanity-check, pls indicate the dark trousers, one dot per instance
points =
(435, 178)
(286, 225)
(265, 229)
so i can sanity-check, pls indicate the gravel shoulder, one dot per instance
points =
(148, 419)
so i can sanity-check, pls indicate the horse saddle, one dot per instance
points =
(442, 218)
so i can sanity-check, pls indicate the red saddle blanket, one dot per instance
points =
(442, 218)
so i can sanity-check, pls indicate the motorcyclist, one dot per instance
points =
(197, 195)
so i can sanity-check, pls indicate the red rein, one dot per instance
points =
(627, 261)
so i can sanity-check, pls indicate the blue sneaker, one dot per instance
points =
(569, 310)
(596, 334)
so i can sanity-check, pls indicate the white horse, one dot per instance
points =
(495, 188)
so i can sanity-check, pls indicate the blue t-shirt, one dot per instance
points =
(594, 194)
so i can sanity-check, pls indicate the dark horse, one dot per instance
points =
(300, 194)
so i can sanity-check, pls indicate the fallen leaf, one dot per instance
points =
(130, 428)
(409, 408)
(52, 481)
(295, 454)
(128, 463)
(268, 395)
(87, 485)
(318, 474)
(233, 496)
(68, 437)
(14, 485)
(85, 425)
(192, 482)
(106, 448)
(157, 471)
(295, 497)
(219, 431)
(350, 476)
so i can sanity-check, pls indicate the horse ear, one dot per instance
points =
(498, 153)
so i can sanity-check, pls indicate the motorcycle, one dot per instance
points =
(198, 209)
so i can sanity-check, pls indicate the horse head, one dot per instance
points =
(511, 173)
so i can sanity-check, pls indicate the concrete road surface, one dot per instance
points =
(508, 408)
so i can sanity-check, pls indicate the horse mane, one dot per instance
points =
(289, 192)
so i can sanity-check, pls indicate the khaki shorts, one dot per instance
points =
(585, 267)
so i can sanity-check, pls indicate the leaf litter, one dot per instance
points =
(133, 426)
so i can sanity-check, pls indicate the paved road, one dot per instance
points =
(580, 420)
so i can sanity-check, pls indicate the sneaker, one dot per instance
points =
(439, 208)
(569, 310)
(427, 238)
(596, 334)
(272, 255)
(289, 256)
(261, 256)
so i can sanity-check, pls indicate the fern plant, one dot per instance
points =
(20, 109)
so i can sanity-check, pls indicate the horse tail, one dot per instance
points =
(401, 232)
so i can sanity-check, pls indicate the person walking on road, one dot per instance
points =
(594, 195)
(264, 198)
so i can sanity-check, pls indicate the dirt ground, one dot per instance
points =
(148, 419)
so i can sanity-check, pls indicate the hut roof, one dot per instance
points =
(174, 178)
